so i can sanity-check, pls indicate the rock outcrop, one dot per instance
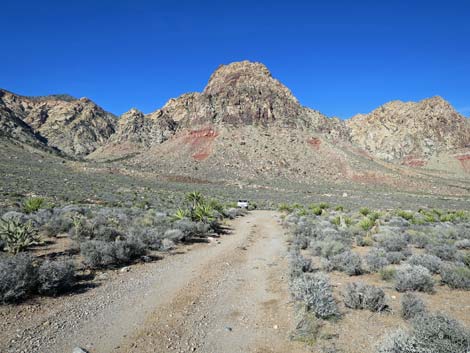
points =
(244, 94)
(74, 126)
(398, 131)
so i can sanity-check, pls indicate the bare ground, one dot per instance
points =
(226, 296)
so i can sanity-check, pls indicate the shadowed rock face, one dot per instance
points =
(399, 130)
(75, 126)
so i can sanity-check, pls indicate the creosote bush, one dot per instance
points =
(413, 278)
(362, 296)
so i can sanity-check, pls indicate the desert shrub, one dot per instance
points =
(18, 278)
(336, 221)
(57, 225)
(315, 291)
(323, 205)
(430, 333)
(364, 211)
(299, 264)
(284, 207)
(456, 276)
(300, 242)
(462, 244)
(431, 262)
(421, 240)
(444, 251)
(392, 242)
(33, 204)
(150, 237)
(17, 236)
(413, 278)
(388, 273)
(366, 223)
(376, 259)
(98, 253)
(189, 229)
(328, 248)
(411, 306)
(55, 277)
(175, 235)
(362, 296)
(317, 211)
(364, 241)
(395, 257)
(405, 214)
(339, 208)
(347, 262)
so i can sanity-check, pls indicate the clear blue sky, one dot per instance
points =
(339, 57)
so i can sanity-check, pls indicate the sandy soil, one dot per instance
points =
(226, 296)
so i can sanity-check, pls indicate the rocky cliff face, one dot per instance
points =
(399, 131)
(74, 126)
(244, 94)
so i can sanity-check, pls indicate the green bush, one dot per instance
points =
(388, 273)
(364, 211)
(366, 223)
(33, 204)
(405, 215)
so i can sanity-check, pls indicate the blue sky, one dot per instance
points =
(339, 57)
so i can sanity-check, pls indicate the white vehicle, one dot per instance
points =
(242, 203)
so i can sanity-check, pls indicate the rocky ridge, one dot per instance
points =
(74, 126)
(243, 120)
(405, 131)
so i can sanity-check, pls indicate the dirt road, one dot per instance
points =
(226, 296)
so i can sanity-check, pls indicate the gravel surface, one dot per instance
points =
(229, 295)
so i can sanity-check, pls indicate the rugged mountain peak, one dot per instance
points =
(74, 126)
(411, 130)
(239, 94)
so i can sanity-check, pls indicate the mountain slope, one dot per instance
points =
(74, 126)
(407, 132)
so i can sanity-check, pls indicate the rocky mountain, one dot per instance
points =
(74, 126)
(411, 132)
(247, 125)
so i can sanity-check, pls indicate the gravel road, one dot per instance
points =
(226, 296)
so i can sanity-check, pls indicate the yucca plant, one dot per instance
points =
(18, 236)
(203, 213)
(33, 204)
(194, 198)
(181, 214)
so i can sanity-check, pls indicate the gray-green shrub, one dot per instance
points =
(411, 306)
(18, 278)
(456, 276)
(315, 291)
(362, 296)
(55, 277)
(413, 278)
(431, 262)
